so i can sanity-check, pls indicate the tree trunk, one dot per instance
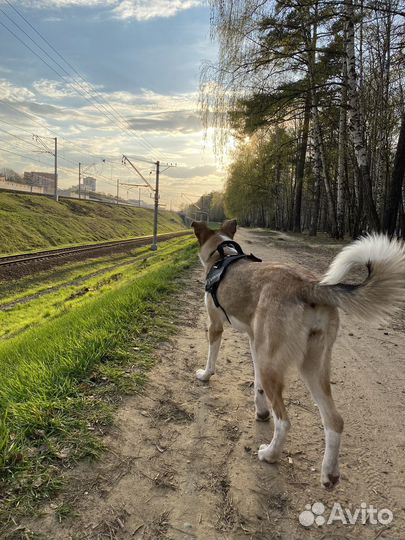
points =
(395, 187)
(360, 202)
(355, 119)
(318, 141)
(340, 209)
(317, 192)
(325, 175)
(301, 166)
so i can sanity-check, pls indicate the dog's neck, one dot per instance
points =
(215, 256)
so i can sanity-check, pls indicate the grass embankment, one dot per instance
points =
(59, 382)
(28, 302)
(30, 222)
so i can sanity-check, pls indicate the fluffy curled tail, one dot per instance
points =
(381, 293)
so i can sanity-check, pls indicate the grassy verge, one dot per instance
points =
(59, 383)
(29, 223)
(52, 294)
(14, 290)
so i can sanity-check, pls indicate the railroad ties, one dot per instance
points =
(17, 265)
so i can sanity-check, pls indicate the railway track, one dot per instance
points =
(51, 256)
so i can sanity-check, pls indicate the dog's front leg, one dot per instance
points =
(214, 335)
(261, 404)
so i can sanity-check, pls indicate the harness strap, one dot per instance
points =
(229, 243)
(217, 272)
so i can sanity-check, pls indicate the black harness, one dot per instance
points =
(217, 272)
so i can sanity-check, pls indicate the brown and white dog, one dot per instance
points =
(291, 317)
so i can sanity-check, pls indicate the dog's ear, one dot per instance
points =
(202, 231)
(229, 227)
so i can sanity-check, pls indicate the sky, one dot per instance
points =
(119, 77)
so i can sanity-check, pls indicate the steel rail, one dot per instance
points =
(10, 260)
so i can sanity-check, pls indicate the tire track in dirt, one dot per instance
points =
(182, 460)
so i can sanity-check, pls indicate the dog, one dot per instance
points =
(291, 317)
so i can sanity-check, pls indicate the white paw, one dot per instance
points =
(266, 453)
(203, 375)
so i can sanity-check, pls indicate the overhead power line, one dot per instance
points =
(34, 120)
(21, 155)
(109, 117)
(20, 139)
(66, 140)
(84, 91)
(63, 58)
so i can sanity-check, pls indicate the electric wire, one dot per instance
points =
(74, 85)
(83, 78)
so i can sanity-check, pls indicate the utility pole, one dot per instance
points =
(139, 197)
(154, 190)
(83, 171)
(41, 140)
(80, 183)
(118, 189)
(156, 209)
(56, 168)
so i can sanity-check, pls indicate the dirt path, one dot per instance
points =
(182, 458)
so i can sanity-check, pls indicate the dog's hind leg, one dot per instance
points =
(215, 329)
(261, 404)
(272, 379)
(315, 372)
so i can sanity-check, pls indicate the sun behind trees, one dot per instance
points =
(314, 93)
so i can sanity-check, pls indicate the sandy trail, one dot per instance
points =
(182, 460)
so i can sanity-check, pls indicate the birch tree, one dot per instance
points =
(330, 76)
(356, 127)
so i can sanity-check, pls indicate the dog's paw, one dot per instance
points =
(203, 375)
(266, 453)
(330, 480)
(262, 416)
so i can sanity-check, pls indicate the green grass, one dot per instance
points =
(14, 290)
(76, 287)
(59, 381)
(32, 222)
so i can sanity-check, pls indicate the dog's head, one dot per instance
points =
(209, 239)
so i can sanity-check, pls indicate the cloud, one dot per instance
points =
(46, 4)
(143, 10)
(169, 123)
(146, 111)
(139, 10)
(192, 172)
(70, 88)
(10, 92)
(178, 121)
(53, 89)
(53, 19)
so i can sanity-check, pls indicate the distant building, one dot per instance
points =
(41, 179)
(89, 183)
(18, 186)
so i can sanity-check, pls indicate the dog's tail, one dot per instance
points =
(380, 294)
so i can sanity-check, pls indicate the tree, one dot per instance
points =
(330, 74)
(11, 175)
(396, 184)
(356, 127)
